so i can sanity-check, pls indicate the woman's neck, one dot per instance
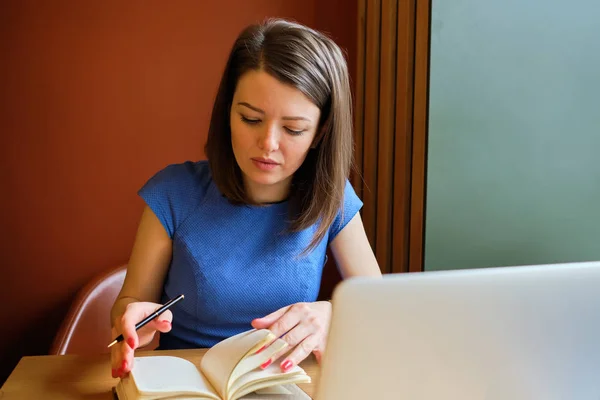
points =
(267, 194)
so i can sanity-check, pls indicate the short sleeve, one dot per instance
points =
(352, 205)
(174, 192)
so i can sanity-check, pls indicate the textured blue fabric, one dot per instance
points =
(233, 263)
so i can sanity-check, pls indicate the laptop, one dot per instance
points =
(508, 333)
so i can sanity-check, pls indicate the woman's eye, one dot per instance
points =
(250, 120)
(293, 132)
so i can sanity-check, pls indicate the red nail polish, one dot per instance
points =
(131, 342)
(287, 364)
(114, 373)
(267, 363)
(123, 365)
(261, 349)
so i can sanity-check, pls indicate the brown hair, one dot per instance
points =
(312, 63)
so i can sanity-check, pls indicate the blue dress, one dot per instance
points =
(233, 263)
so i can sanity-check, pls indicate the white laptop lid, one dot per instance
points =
(510, 333)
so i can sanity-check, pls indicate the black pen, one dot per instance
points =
(150, 317)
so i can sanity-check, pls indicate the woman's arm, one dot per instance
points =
(148, 265)
(140, 294)
(352, 251)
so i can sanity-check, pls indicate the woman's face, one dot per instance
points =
(273, 126)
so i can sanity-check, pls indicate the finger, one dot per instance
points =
(300, 352)
(296, 313)
(318, 354)
(294, 337)
(267, 320)
(115, 359)
(274, 357)
(126, 363)
(279, 354)
(131, 336)
(115, 355)
(121, 360)
(146, 333)
(163, 326)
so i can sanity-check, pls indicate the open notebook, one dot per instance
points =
(228, 371)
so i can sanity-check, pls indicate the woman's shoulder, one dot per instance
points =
(351, 205)
(188, 173)
(189, 179)
(176, 190)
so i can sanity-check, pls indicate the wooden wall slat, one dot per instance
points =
(403, 134)
(420, 116)
(359, 100)
(387, 112)
(371, 106)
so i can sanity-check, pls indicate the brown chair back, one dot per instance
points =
(86, 328)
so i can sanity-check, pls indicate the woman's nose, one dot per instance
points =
(269, 139)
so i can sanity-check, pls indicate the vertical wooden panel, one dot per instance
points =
(403, 135)
(371, 104)
(392, 119)
(387, 112)
(417, 201)
(359, 121)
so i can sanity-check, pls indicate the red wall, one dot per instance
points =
(95, 97)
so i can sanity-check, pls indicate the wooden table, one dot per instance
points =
(88, 377)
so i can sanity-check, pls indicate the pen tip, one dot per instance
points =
(112, 343)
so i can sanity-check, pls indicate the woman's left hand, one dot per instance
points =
(304, 327)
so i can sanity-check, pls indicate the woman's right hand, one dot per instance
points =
(122, 353)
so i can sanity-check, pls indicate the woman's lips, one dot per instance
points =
(264, 164)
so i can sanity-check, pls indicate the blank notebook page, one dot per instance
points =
(159, 374)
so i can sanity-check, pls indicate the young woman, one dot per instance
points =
(244, 235)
